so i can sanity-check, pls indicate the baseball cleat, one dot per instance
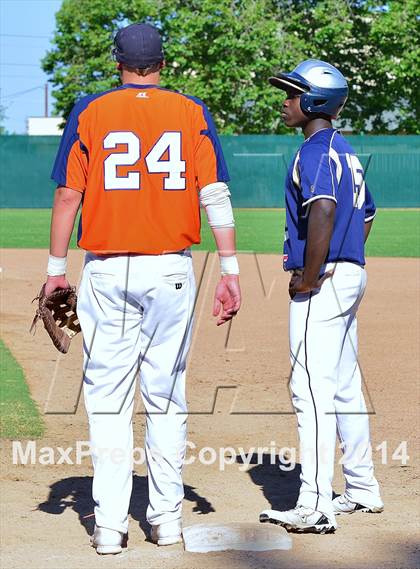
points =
(107, 541)
(168, 533)
(343, 505)
(301, 520)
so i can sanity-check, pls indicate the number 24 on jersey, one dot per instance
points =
(173, 167)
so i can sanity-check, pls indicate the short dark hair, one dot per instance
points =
(143, 71)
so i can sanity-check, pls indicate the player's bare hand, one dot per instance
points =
(298, 285)
(227, 299)
(53, 283)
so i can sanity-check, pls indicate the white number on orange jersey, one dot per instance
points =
(173, 165)
(129, 158)
(359, 187)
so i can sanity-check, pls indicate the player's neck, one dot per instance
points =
(135, 79)
(314, 125)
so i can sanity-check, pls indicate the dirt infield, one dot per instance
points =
(46, 509)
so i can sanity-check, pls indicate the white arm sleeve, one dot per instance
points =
(215, 198)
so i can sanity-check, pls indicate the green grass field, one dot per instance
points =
(395, 233)
(19, 416)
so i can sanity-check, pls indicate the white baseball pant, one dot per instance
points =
(136, 317)
(327, 392)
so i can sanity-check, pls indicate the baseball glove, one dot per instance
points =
(58, 313)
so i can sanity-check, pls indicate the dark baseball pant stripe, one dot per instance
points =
(313, 399)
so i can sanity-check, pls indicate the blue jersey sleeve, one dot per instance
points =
(222, 171)
(210, 132)
(69, 137)
(317, 173)
(71, 142)
(370, 208)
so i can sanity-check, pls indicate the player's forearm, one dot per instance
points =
(215, 198)
(320, 228)
(66, 205)
(226, 247)
(225, 240)
(368, 227)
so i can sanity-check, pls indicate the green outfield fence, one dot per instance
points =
(257, 166)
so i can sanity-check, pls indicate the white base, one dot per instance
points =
(202, 538)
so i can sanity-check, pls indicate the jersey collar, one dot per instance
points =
(137, 86)
(320, 130)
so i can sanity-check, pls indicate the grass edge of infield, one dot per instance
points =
(19, 414)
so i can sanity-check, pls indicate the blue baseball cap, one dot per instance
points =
(138, 46)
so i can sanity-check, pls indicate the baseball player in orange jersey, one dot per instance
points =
(140, 159)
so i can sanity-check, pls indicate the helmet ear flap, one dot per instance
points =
(322, 103)
(305, 103)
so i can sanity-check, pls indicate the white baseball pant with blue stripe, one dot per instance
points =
(327, 392)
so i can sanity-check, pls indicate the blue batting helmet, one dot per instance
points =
(324, 88)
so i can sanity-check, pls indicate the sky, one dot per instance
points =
(26, 29)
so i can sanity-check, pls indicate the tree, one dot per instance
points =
(335, 32)
(2, 118)
(223, 51)
(213, 48)
(394, 64)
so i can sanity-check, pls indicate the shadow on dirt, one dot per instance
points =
(280, 487)
(76, 493)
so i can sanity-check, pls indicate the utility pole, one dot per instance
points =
(46, 100)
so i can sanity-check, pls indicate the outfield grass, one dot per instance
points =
(19, 416)
(395, 233)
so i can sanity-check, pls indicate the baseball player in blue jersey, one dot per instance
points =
(329, 213)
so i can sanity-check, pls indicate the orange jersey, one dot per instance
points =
(139, 154)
